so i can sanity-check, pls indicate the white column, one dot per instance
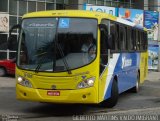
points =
(159, 39)
(80, 4)
(145, 4)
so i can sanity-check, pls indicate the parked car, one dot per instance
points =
(7, 67)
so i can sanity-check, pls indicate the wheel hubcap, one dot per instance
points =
(137, 86)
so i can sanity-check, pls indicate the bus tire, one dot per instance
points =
(2, 71)
(136, 88)
(112, 101)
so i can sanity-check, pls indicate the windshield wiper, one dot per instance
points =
(38, 67)
(61, 52)
(40, 64)
(63, 57)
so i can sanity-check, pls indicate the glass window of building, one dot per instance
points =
(41, 0)
(13, 7)
(66, 1)
(50, 6)
(100, 2)
(3, 41)
(115, 4)
(107, 3)
(12, 21)
(13, 46)
(19, 19)
(3, 46)
(40, 6)
(22, 7)
(60, 6)
(31, 7)
(3, 5)
(60, 1)
(50, 0)
(92, 2)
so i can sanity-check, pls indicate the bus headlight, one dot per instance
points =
(24, 82)
(86, 83)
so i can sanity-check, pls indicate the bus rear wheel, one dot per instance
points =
(136, 88)
(112, 101)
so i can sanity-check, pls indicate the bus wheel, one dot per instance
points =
(112, 101)
(2, 71)
(136, 88)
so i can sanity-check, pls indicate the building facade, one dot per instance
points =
(17, 8)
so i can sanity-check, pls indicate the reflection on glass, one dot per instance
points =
(60, 6)
(31, 6)
(3, 41)
(22, 7)
(41, 0)
(40, 6)
(107, 3)
(3, 46)
(4, 5)
(50, 6)
(92, 2)
(12, 21)
(100, 2)
(19, 20)
(12, 7)
(60, 1)
(49, 0)
(43, 48)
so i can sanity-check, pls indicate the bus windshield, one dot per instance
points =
(57, 44)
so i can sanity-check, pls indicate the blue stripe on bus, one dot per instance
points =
(126, 71)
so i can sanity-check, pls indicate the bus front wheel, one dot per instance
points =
(112, 101)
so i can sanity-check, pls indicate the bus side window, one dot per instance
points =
(126, 44)
(145, 41)
(141, 42)
(113, 32)
(103, 50)
(117, 37)
(133, 34)
(122, 37)
(104, 47)
(137, 40)
(129, 39)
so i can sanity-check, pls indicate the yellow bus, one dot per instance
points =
(76, 56)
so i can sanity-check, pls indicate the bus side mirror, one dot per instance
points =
(11, 38)
(108, 37)
(103, 27)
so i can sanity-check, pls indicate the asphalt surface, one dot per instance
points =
(132, 105)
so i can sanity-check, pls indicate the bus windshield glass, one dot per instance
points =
(57, 44)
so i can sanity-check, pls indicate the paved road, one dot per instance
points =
(147, 101)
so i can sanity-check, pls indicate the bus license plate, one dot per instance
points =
(53, 93)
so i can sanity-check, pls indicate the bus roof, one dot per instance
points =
(81, 13)
(71, 13)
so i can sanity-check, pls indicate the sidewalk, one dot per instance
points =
(153, 76)
(7, 82)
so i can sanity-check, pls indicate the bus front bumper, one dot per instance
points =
(87, 95)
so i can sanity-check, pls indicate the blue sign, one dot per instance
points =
(151, 23)
(64, 23)
(150, 18)
(153, 56)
